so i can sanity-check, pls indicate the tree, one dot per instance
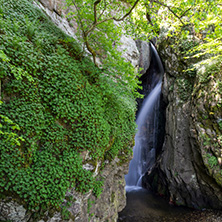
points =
(95, 19)
(144, 19)
(100, 26)
(199, 18)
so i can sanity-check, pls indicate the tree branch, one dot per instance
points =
(112, 18)
(148, 17)
(95, 11)
(79, 17)
(96, 23)
(169, 8)
(91, 50)
(103, 10)
(128, 13)
(184, 13)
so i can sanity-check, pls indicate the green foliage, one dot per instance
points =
(220, 124)
(89, 206)
(200, 19)
(209, 70)
(98, 188)
(65, 213)
(212, 160)
(61, 104)
(11, 136)
(100, 30)
(185, 88)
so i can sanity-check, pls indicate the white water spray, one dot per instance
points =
(144, 152)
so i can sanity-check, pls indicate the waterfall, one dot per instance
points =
(144, 151)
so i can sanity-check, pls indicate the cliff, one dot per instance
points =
(188, 170)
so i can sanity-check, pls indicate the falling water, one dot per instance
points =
(144, 152)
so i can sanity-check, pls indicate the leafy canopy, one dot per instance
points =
(101, 22)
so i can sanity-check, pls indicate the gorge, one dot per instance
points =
(68, 112)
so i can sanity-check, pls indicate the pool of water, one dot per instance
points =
(144, 206)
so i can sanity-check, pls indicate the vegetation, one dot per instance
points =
(191, 25)
(147, 19)
(59, 109)
(57, 104)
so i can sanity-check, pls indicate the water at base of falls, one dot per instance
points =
(144, 206)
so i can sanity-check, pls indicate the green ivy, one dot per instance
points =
(62, 104)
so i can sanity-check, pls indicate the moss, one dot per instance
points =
(218, 177)
(112, 198)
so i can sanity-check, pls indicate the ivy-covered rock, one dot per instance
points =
(63, 120)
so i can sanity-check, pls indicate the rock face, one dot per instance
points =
(145, 57)
(82, 208)
(52, 5)
(188, 170)
(53, 8)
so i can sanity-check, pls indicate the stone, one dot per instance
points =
(84, 207)
(52, 5)
(10, 210)
(129, 49)
(145, 57)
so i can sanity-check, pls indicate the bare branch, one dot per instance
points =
(103, 10)
(184, 13)
(148, 17)
(112, 18)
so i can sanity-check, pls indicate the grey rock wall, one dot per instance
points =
(145, 57)
(184, 171)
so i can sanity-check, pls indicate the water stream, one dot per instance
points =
(144, 152)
